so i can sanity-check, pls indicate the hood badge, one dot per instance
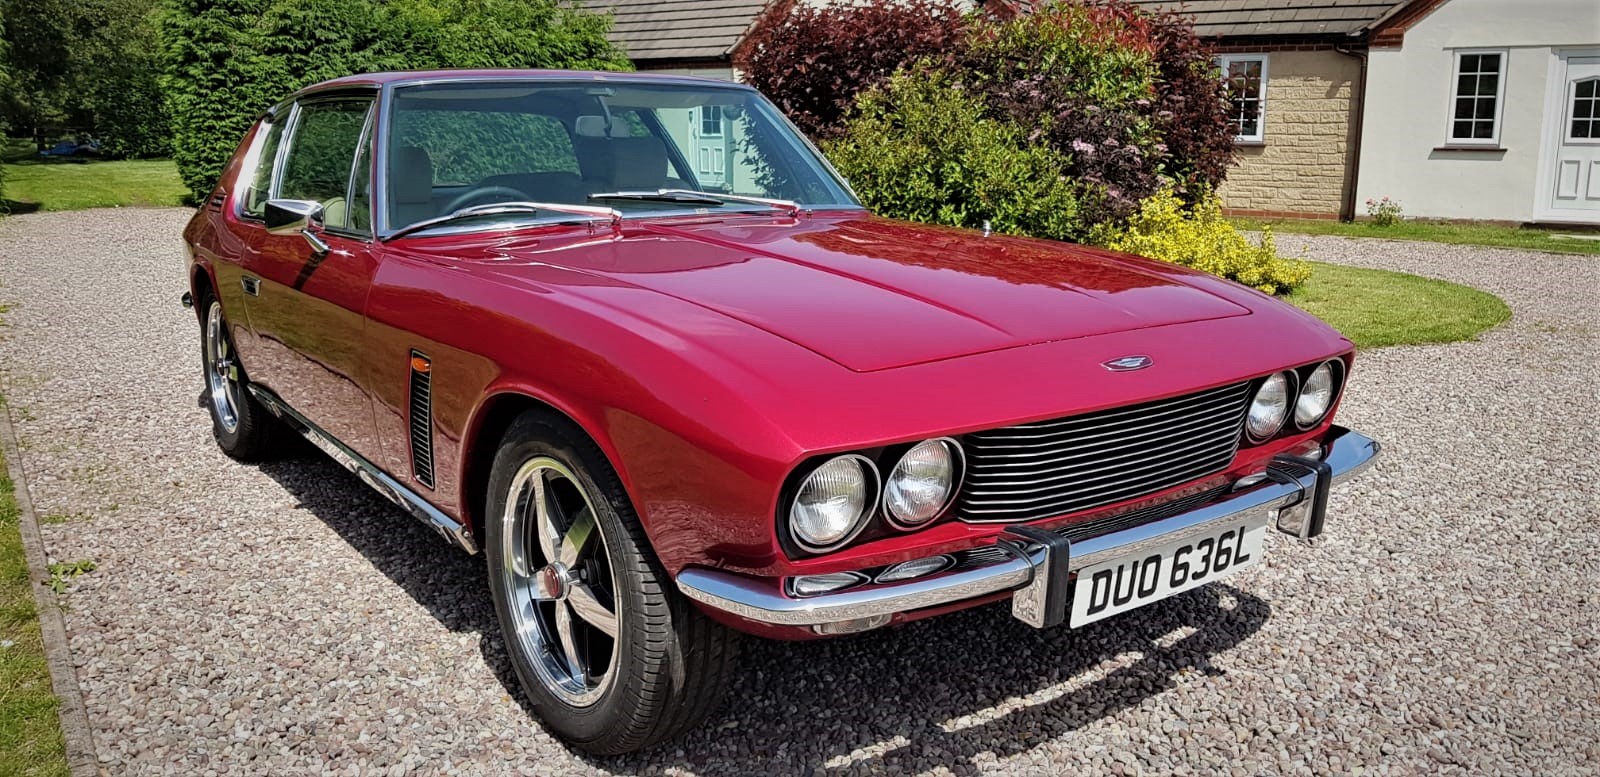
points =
(1127, 363)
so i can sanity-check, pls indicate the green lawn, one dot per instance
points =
(1375, 308)
(1463, 234)
(37, 184)
(30, 732)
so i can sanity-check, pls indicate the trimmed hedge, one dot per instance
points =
(921, 149)
(225, 61)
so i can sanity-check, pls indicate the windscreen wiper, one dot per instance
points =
(698, 197)
(502, 208)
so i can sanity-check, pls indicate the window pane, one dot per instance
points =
(1464, 108)
(1483, 130)
(1587, 88)
(1463, 129)
(321, 154)
(361, 190)
(1469, 63)
(1485, 108)
(1487, 85)
(1488, 63)
(1582, 109)
(1467, 84)
(1583, 128)
(255, 197)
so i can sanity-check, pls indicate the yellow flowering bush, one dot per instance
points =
(1198, 237)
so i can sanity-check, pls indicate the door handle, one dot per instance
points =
(252, 285)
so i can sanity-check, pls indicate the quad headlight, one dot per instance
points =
(833, 502)
(1322, 385)
(1270, 407)
(922, 484)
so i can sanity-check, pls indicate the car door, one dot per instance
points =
(307, 305)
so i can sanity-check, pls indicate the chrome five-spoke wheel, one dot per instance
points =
(559, 584)
(222, 372)
(611, 657)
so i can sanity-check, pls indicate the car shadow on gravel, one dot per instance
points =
(950, 690)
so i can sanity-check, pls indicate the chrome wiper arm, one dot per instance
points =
(789, 205)
(498, 208)
(692, 196)
(660, 195)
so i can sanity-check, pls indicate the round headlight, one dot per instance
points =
(832, 502)
(1316, 397)
(922, 484)
(1270, 408)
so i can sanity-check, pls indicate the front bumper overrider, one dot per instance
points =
(1293, 495)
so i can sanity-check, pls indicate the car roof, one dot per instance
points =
(406, 77)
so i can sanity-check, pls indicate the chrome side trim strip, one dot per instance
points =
(367, 472)
(762, 599)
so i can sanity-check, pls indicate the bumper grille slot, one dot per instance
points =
(1050, 468)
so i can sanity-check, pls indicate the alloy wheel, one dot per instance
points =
(222, 370)
(558, 582)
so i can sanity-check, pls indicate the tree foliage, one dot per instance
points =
(813, 61)
(1125, 99)
(86, 65)
(922, 149)
(226, 61)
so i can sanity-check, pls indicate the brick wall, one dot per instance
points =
(1301, 167)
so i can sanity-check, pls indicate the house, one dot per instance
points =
(1458, 109)
(1294, 70)
(1486, 110)
(688, 37)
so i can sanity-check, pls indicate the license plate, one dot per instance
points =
(1123, 584)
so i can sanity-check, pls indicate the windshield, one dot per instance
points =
(455, 146)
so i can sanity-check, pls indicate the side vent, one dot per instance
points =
(421, 413)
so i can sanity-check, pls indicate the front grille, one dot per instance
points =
(1050, 468)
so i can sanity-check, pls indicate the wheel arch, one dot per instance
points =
(482, 441)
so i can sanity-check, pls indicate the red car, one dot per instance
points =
(632, 337)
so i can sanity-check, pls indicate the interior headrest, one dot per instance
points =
(411, 175)
(639, 163)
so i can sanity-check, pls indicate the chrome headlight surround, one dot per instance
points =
(872, 488)
(1286, 382)
(1335, 385)
(958, 472)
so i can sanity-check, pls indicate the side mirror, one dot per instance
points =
(288, 217)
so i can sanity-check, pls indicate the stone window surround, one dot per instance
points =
(1260, 136)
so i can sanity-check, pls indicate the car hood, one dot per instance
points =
(872, 294)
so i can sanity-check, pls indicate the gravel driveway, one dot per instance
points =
(279, 620)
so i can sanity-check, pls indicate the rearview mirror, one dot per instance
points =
(286, 217)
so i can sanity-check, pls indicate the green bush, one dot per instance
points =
(225, 61)
(920, 149)
(1199, 237)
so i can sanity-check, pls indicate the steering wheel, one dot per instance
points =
(491, 193)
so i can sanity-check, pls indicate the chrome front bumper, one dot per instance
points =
(1293, 495)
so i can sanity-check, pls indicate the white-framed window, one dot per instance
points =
(711, 121)
(1246, 77)
(1477, 96)
(1583, 122)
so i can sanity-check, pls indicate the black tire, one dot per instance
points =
(671, 663)
(244, 429)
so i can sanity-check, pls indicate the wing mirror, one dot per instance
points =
(287, 217)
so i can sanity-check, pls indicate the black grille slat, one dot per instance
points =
(420, 407)
(1069, 465)
(1165, 423)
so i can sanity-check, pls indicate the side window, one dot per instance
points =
(1246, 79)
(259, 176)
(322, 152)
(361, 187)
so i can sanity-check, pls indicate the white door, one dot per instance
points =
(709, 131)
(1575, 191)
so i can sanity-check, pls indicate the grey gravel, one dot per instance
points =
(279, 620)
